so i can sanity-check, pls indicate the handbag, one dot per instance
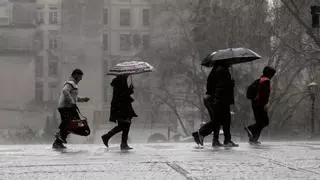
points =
(79, 126)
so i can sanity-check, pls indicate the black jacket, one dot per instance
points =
(220, 85)
(121, 107)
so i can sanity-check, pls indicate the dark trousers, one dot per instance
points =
(208, 102)
(67, 114)
(261, 118)
(124, 126)
(221, 117)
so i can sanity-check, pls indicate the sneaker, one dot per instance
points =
(58, 145)
(58, 136)
(255, 142)
(198, 138)
(230, 144)
(216, 143)
(250, 135)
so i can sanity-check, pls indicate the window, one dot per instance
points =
(53, 16)
(53, 39)
(40, 17)
(136, 40)
(5, 14)
(53, 68)
(105, 16)
(39, 92)
(125, 42)
(39, 66)
(146, 41)
(39, 39)
(105, 42)
(125, 17)
(146, 17)
(53, 91)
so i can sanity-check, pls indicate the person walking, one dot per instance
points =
(259, 104)
(67, 107)
(220, 95)
(121, 111)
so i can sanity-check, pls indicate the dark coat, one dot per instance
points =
(220, 86)
(121, 107)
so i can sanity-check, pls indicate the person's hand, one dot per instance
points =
(207, 96)
(86, 99)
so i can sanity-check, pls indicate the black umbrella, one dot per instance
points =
(230, 56)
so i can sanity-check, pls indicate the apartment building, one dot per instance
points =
(47, 63)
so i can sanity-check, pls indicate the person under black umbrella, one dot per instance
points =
(220, 94)
(121, 111)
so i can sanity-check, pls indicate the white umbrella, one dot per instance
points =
(131, 67)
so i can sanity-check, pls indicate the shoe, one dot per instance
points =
(255, 142)
(125, 147)
(216, 143)
(105, 140)
(58, 145)
(198, 138)
(58, 136)
(250, 134)
(230, 144)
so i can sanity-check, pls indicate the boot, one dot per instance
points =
(124, 139)
(105, 139)
(57, 144)
(125, 147)
(216, 143)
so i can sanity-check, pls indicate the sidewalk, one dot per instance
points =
(272, 160)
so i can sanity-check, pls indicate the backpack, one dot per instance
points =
(252, 90)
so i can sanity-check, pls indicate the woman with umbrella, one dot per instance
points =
(121, 111)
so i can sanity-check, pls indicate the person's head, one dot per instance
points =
(77, 75)
(268, 72)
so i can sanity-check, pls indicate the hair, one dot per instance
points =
(269, 71)
(76, 72)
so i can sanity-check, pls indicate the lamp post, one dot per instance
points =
(312, 87)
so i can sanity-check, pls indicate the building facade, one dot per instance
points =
(17, 65)
(47, 63)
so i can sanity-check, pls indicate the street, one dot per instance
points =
(271, 160)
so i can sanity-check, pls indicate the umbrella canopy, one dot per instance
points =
(230, 56)
(131, 67)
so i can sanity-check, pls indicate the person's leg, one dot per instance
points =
(112, 132)
(58, 143)
(253, 129)
(226, 122)
(125, 133)
(263, 121)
